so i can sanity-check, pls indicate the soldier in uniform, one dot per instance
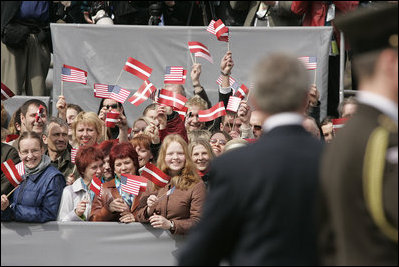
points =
(359, 171)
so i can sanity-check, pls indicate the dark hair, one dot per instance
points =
(36, 102)
(33, 135)
(123, 150)
(119, 105)
(326, 120)
(228, 137)
(87, 155)
(75, 107)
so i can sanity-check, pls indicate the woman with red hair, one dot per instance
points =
(115, 204)
(77, 198)
(142, 144)
(105, 147)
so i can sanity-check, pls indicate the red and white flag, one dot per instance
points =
(242, 92)
(214, 112)
(338, 123)
(102, 90)
(231, 80)
(172, 99)
(6, 93)
(221, 31)
(11, 173)
(200, 50)
(155, 175)
(39, 113)
(72, 74)
(111, 119)
(20, 168)
(183, 81)
(96, 186)
(119, 94)
(130, 185)
(233, 104)
(74, 152)
(144, 92)
(173, 74)
(137, 68)
(182, 112)
(309, 62)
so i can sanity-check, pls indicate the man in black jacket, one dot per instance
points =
(260, 209)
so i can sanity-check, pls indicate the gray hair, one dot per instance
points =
(58, 121)
(281, 84)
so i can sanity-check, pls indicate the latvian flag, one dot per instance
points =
(218, 29)
(182, 112)
(9, 170)
(111, 118)
(338, 123)
(231, 80)
(131, 185)
(102, 90)
(233, 104)
(200, 50)
(155, 175)
(39, 113)
(119, 94)
(242, 92)
(72, 74)
(137, 68)
(74, 152)
(96, 186)
(144, 92)
(309, 62)
(212, 113)
(173, 74)
(172, 99)
(6, 93)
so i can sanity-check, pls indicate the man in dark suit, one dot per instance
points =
(360, 167)
(260, 209)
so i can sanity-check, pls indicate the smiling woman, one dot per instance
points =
(86, 129)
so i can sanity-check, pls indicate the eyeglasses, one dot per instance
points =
(220, 141)
(33, 152)
(113, 106)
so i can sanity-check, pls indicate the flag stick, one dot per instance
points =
(314, 79)
(62, 87)
(12, 191)
(228, 41)
(192, 59)
(117, 80)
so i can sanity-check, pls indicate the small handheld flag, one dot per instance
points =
(111, 119)
(173, 74)
(6, 93)
(119, 94)
(137, 68)
(102, 90)
(72, 74)
(11, 173)
(144, 92)
(172, 99)
(96, 185)
(155, 175)
(309, 62)
(214, 112)
(233, 104)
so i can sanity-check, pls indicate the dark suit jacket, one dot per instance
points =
(357, 240)
(7, 152)
(260, 208)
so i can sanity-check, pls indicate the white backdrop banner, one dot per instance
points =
(102, 51)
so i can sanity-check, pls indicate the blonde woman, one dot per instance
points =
(86, 129)
(179, 210)
(201, 153)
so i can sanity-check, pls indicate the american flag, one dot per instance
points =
(145, 91)
(119, 94)
(214, 112)
(130, 185)
(173, 74)
(72, 74)
(20, 168)
(11, 173)
(137, 68)
(211, 27)
(102, 90)
(231, 80)
(233, 104)
(6, 93)
(74, 152)
(309, 62)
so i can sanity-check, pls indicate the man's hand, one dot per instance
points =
(244, 112)
(227, 63)
(61, 107)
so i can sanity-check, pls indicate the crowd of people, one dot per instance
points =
(254, 175)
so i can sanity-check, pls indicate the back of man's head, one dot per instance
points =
(281, 84)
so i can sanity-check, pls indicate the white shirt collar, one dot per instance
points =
(282, 119)
(385, 105)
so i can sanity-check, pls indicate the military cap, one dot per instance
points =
(370, 28)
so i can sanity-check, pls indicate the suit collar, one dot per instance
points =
(282, 119)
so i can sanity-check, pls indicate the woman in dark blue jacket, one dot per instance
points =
(38, 196)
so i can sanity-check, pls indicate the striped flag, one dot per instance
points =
(338, 123)
(182, 112)
(155, 175)
(6, 93)
(72, 74)
(137, 68)
(211, 27)
(119, 94)
(231, 80)
(39, 113)
(11, 173)
(142, 181)
(309, 62)
(242, 91)
(233, 104)
(172, 99)
(20, 168)
(74, 152)
(221, 31)
(200, 50)
(173, 74)
(145, 91)
(96, 186)
(214, 112)
(102, 90)
(183, 81)
(111, 118)
(130, 185)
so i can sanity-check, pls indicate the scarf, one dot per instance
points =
(39, 168)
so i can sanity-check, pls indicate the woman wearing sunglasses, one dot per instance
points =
(120, 131)
(218, 141)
